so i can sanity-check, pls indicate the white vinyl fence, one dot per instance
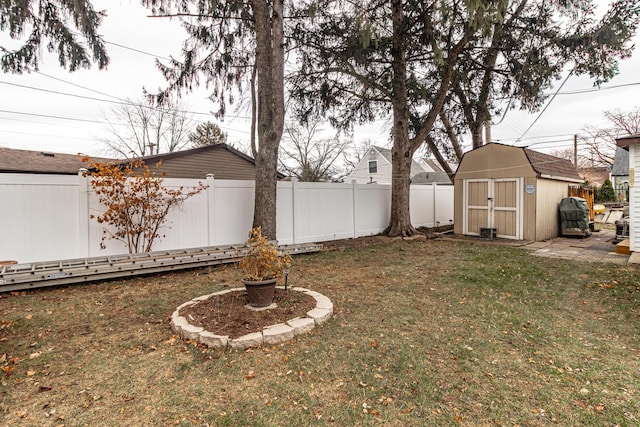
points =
(46, 217)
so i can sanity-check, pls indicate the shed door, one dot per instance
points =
(493, 203)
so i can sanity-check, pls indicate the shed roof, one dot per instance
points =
(506, 160)
(41, 162)
(548, 166)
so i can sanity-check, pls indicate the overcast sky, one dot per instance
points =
(54, 110)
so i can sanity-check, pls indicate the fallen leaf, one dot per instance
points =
(44, 388)
(7, 370)
(29, 316)
(250, 375)
(581, 403)
(31, 372)
(3, 357)
(34, 355)
(599, 407)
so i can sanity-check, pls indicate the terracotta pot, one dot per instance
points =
(260, 292)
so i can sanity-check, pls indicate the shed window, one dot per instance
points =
(373, 166)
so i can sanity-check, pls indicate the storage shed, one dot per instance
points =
(511, 192)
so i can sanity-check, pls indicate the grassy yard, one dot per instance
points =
(424, 333)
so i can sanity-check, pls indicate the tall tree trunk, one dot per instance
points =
(402, 155)
(476, 134)
(270, 70)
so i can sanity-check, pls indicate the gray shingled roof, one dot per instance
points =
(551, 166)
(25, 161)
(620, 163)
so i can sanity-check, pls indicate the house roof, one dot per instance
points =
(182, 153)
(620, 163)
(224, 161)
(415, 166)
(626, 141)
(192, 161)
(43, 162)
(595, 175)
(548, 166)
(437, 177)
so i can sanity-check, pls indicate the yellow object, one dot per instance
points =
(599, 208)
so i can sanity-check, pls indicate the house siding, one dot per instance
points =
(634, 198)
(222, 163)
(361, 175)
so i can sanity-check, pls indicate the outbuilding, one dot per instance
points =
(511, 192)
(631, 143)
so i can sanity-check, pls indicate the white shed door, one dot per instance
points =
(493, 203)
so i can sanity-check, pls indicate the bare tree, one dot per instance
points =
(600, 143)
(310, 158)
(138, 129)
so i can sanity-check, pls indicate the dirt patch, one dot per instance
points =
(226, 314)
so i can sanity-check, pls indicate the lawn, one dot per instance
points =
(424, 333)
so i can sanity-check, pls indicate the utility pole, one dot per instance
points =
(575, 150)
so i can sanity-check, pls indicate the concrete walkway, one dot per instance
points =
(596, 248)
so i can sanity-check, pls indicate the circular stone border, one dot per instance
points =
(274, 334)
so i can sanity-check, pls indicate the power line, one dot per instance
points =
(545, 107)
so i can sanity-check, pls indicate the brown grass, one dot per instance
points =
(424, 333)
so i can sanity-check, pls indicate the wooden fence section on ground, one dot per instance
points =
(47, 217)
(15, 277)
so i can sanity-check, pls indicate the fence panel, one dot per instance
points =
(39, 217)
(232, 211)
(373, 208)
(323, 211)
(46, 217)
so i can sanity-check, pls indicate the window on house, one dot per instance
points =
(373, 166)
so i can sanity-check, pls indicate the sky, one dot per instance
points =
(54, 110)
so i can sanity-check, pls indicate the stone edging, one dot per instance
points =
(274, 334)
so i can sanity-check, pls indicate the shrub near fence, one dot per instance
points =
(46, 217)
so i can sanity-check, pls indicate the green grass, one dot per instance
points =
(424, 333)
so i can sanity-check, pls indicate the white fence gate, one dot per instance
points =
(46, 217)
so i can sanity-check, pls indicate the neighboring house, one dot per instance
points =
(595, 175)
(632, 145)
(620, 174)
(513, 191)
(375, 168)
(41, 162)
(223, 161)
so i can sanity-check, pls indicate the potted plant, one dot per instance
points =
(261, 267)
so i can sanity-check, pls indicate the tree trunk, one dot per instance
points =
(270, 71)
(402, 155)
(476, 134)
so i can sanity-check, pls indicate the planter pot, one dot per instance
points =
(260, 292)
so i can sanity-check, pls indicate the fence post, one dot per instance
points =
(434, 188)
(83, 214)
(210, 209)
(355, 213)
(294, 190)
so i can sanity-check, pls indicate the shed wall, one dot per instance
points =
(494, 161)
(549, 194)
